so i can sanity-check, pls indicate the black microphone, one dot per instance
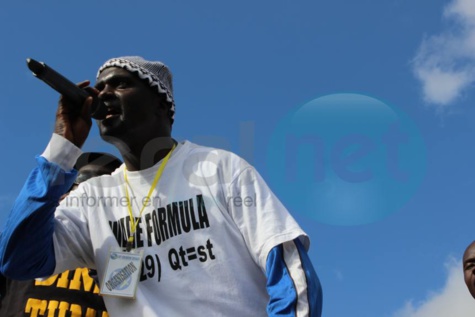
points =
(65, 87)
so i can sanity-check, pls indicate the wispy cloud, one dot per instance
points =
(452, 300)
(445, 63)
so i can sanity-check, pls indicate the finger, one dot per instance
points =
(94, 90)
(86, 108)
(64, 106)
(84, 83)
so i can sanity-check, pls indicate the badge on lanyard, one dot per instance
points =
(122, 273)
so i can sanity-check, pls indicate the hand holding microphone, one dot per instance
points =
(65, 87)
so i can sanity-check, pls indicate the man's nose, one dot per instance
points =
(106, 93)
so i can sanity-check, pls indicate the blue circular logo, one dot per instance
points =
(346, 159)
(126, 283)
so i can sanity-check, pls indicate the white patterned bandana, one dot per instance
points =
(156, 74)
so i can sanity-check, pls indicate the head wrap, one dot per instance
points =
(154, 73)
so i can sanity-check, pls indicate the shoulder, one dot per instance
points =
(213, 156)
(210, 162)
(197, 153)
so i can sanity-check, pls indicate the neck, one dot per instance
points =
(142, 156)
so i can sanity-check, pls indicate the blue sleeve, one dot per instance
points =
(292, 283)
(26, 243)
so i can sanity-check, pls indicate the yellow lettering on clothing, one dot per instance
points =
(76, 310)
(35, 306)
(63, 309)
(63, 280)
(81, 277)
(48, 282)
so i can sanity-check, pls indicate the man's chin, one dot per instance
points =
(111, 133)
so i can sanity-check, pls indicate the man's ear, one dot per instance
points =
(163, 109)
(162, 105)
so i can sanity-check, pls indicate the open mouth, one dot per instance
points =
(112, 112)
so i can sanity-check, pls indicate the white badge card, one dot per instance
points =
(122, 273)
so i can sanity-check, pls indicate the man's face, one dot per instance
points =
(132, 106)
(469, 268)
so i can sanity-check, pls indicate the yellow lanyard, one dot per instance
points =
(133, 222)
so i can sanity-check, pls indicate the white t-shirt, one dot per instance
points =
(205, 235)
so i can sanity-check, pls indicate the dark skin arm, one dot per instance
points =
(26, 248)
(69, 123)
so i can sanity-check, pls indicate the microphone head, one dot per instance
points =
(65, 87)
(36, 67)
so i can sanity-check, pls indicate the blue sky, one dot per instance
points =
(241, 69)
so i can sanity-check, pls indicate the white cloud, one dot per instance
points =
(453, 300)
(445, 63)
(465, 9)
